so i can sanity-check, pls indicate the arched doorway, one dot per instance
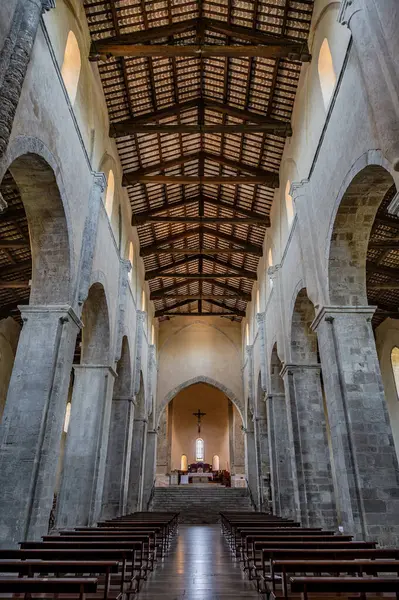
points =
(36, 290)
(214, 429)
(279, 444)
(308, 421)
(86, 445)
(116, 482)
(361, 271)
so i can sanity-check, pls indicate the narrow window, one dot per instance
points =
(270, 264)
(71, 66)
(199, 450)
(247, 334)
(395, 367)
(183, 463)
(67, 417)
(143, 300)
(152, 335)
(257, 301)
(289, 206)
(131, 258)
(327, 75)
(109, 196)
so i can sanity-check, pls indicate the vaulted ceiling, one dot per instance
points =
(200, 96)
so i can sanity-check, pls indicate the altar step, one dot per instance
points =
(202, 503)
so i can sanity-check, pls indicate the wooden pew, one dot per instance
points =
(343, 585)
(335, 567)
(271, 555)
(30, 568)
(73, 586)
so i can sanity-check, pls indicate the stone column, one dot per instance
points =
(31, 429)
(365, 459)
(373, 25)
(149, 467)
(262, 445)
(116, 482)
(86, 448)
(230, 410)
(135, 494)
(251, 463)
(313, 483)
(280, 460)
(14, 59)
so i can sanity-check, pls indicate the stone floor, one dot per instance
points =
(199, 566)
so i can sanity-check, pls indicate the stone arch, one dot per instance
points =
(200, 379)
(303, 338)
(96, 330)
(351, 229)
(49, 237)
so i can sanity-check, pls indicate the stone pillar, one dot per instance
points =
(230, 410)
(262, 445)
(313, 483)
(364, 454)
(280, 461)
(169, 408)
(116, 482)
(149, 467)
(86, 448)
(162, 448)
(135, 494)
(373, 25)
(31, 429)
(14, 59)
(251, 464)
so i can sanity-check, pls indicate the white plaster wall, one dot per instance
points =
(189, 348)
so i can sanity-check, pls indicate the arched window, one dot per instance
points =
(67, 417)
(71, 66)
(143, 300)
(395, 367)
(270, 264)
(199, 450)
(109, 196)
(152, 335)
(215, 463)
(183, 463)
(257, 301)
(247, 334)
(131, 258)
(327, 75)
(289, 206)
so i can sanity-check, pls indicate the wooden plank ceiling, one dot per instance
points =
(200, 96)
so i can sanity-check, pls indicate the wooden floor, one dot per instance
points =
(199, 566)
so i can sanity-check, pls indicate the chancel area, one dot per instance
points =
(199, 299)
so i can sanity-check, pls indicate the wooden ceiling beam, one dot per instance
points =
(388, 244)
(203, 251)
(142, 216)
(269, 180)
(238, 165)
(200, 314)
(390, 272)
(243, 272)
(13, 285)
(254, 248)
(160, 270)
(158, 313)
(134, 176)
(158, 294)
(383, 286)
(127, 128)
(148, 250)
(288, 47)
(197, 276)
(16, 268)
(200, 296)
(120, 129)
(240, 272)
(112, 46)
(388, 220)
(14, 244)
(235, 208)
(263, 220)
(237, 312)
(282, 127)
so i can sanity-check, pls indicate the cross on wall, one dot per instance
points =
(199, 414)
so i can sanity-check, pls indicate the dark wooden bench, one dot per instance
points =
(343, 585)
(334, 567)
(30, 568)
(73, 586)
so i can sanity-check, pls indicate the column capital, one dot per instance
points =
(295, 367)
(141, 315)
(347, 10)
(48, 5)
(99, 180)
(277, 396)
(66, 313)
(273, 271)
(260, 318)
(123, 399)
(329, 313)
(153, 431)
(298, 189)
(105, 368)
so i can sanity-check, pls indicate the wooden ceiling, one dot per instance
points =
(200, 96)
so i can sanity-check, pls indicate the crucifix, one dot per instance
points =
(199, 414)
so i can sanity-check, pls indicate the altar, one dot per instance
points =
(195, 478)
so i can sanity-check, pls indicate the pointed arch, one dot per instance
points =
(327, 75)
(71, 66)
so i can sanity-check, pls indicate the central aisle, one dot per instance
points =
(199, 566)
